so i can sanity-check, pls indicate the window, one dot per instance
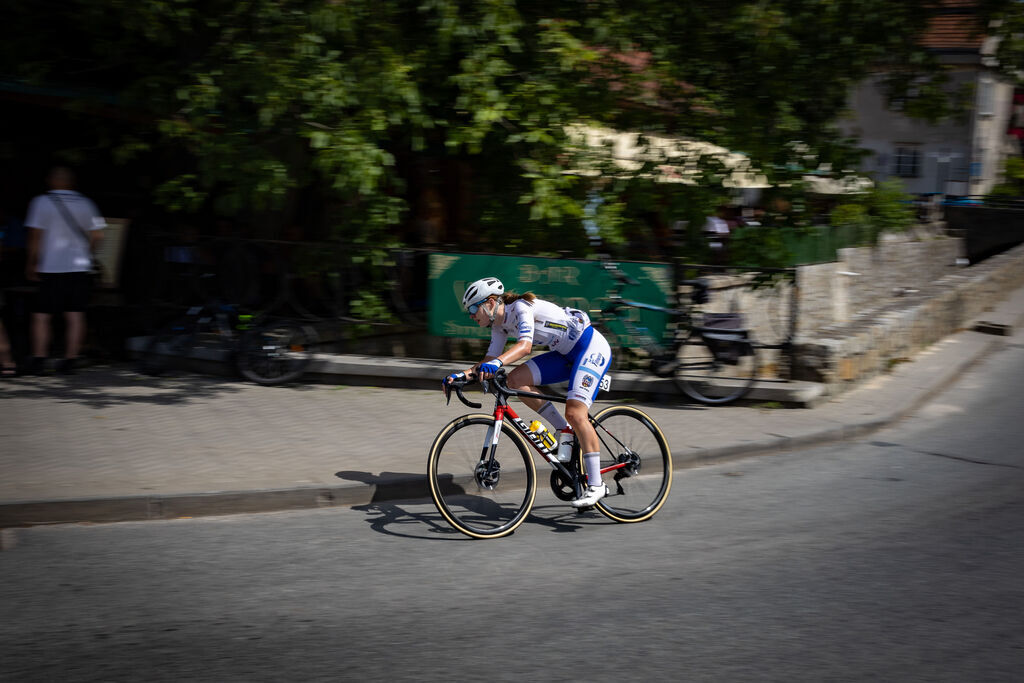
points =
(986, 97)
(907, 162)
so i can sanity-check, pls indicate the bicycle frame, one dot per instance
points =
(484, 481)
(640, 334)
(502, 409)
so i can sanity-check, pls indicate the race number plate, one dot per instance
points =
(606, 383)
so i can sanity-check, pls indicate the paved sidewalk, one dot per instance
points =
(108, 444)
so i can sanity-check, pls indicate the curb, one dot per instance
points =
(425, 373)
(409, 488)
(415, 487)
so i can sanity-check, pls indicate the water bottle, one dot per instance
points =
(543, 434)
(565, 439)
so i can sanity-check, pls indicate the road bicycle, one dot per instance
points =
(710, 357)
(482, 475)
(265, 352)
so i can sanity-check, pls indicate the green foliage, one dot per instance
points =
(854, 217)
(1008, 28)
(885, 208)
(368, 305)
(1013, 179)
(289, 108)
(890, 207)
(758, 247)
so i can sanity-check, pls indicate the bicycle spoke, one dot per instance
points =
(715, 374)
(480, 495)
(636, 464)
(275, 354)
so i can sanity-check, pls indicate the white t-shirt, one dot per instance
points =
(716, 225)
(542, 323)
(63, 248)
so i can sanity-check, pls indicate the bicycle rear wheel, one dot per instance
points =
(633, 444)
(480, 497)
(715, 379)
(277, 353)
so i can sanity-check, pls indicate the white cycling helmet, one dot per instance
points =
(480, 290)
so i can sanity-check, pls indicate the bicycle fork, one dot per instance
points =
(488, 470)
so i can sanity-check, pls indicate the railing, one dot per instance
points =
(986, 201)
(316, 281)
(322, 281)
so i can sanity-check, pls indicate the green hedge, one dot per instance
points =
(769, 247)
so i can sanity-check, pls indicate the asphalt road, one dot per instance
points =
(897, 558)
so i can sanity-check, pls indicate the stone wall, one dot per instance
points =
(832, 295)
(893, 328)
(865, 277)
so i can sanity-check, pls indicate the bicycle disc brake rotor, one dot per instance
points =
(563, 487)
(488, 474)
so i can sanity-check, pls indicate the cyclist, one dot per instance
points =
(578, 353)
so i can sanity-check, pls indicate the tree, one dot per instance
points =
(355, 106)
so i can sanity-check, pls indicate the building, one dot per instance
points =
(962, 155)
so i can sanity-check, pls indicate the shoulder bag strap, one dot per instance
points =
(79, 230)
(69, 219)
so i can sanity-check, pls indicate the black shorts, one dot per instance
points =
(63, 292)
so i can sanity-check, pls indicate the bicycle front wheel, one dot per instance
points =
(714, 378)
(480, 496)
(275, 354)
(636, 464)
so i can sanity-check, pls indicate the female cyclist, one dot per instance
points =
(579, 354)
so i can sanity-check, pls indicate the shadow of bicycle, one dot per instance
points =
(417, 519)
(401, 506)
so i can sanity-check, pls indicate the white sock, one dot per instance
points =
(593, 463)
(550, 413)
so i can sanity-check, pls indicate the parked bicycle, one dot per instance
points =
(484, 482)
(265, 352)
(711, 357)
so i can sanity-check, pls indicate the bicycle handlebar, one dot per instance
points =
(457, 385)
(496, 385)
(700, 285)
(616, 273)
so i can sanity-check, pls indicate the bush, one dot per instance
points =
(1013, 179)
(758, 247)
(854, 217)
(890, 207)
(885, 208)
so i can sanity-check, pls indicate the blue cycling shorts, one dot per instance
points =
(583, 366)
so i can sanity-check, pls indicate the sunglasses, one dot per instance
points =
(473, 308)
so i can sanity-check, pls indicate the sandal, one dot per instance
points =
(9, 371)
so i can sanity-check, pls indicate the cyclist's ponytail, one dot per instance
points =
(509, 297)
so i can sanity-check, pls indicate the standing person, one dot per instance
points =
(717, 230)
(7, 366)
(579, 354)
(64, 229)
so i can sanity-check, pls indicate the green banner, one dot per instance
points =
(576, 283)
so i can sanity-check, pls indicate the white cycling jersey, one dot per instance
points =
(542, 323)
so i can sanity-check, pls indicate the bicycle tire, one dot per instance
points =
(637, 491)
(471, 502)
(276, 353)
(173, 342)
(710, 380)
